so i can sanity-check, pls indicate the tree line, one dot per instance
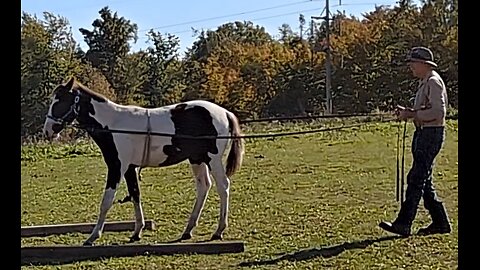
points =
(241, 66)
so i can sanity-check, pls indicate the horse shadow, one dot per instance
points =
(324, 252)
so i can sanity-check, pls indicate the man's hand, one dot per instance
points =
(404, 113)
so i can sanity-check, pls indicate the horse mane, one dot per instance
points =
(96, 96)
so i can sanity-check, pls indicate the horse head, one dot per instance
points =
(63, 110)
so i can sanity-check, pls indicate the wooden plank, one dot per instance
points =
(68, 254)
(117, 226)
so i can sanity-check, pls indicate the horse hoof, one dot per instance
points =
(216, 237)
(186, 236)
(134, 238)
(87, 243)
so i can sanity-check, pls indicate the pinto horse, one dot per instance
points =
(138, 146)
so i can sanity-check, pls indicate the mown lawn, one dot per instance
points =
(299, 202)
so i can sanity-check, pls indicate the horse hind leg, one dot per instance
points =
(203, 184)
(131, 177)
(223, 189)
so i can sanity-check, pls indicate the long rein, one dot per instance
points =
(75, 107)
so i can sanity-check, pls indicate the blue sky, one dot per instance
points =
(178, 17)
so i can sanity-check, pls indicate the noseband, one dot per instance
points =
(73, 109)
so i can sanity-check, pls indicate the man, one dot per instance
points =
(428, 114)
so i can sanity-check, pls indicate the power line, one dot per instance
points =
(226, 16)
(254, 11)
(257, 19)
(96, 6)
(361, 4)
(290, 13)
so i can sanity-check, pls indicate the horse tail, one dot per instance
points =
(235, 156)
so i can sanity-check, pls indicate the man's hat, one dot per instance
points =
(422, 55)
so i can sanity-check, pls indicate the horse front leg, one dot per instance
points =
(203, 184)
(131, 177)
(113, 179)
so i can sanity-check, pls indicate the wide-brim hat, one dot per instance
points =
(422, 55)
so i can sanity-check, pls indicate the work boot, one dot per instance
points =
(396, 228)
(434, 229)
(403, 222)
(440, 223)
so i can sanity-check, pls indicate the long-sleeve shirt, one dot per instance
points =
(431, 101)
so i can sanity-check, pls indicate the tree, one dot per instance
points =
(210, 75)
(163, 83)
(240, 66)
(109, 45)
(47, 59)
(242, 32)
(286, 34)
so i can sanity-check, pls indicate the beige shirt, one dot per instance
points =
(431, 101)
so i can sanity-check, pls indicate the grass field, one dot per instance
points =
(299, 202)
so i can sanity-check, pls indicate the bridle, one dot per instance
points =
(74, 109)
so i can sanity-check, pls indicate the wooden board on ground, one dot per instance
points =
(67, 254)
(117, 226)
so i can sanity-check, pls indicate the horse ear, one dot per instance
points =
(69, 84)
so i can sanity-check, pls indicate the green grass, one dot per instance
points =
(305, 202)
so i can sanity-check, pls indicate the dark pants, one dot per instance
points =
(426, 144)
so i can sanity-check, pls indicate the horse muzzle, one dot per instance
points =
(52, 129)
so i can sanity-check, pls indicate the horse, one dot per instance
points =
(132, 137)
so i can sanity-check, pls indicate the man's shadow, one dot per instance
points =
(325, 252)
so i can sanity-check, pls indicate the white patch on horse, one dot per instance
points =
(133, 118)
(48, 125)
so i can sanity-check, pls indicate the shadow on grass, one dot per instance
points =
(324, 252)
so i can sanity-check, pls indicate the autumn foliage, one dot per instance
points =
(239, 65)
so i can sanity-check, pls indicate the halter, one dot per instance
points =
(73, 109)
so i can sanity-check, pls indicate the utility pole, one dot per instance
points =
(312, 42)
(328, 67)
(328, 80)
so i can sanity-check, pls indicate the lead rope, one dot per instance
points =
(403, 162)
(397, 189)
(401, 179)
(146, 147)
